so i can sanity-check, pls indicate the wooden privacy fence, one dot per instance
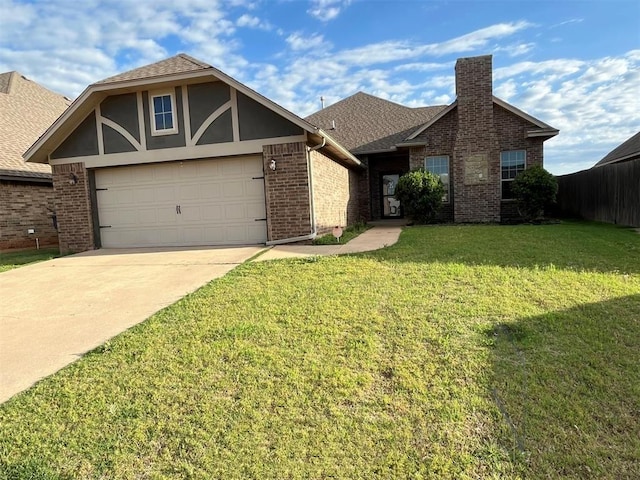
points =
(610, 193)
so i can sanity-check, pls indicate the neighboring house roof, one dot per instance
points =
(26, 110)
(365, 124)
(628, 150)
(168, 72)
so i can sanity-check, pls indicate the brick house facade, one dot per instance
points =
(470, 143)
(231, 167)
(27, 213)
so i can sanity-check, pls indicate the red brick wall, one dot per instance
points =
(335, 193)
(24, 206)
(477, 199)
(287, 191)
(512, 132)
(73, 208)
(440, 138)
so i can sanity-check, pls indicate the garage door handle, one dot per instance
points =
(105, 226)
(260, 219)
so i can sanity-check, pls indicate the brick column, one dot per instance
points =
(287, 191)
(476, 155)
(73, 207)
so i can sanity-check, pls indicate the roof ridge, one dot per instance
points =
(193, 60)
(8, 85)
(166, 66)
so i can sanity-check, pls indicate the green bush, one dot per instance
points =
(420, 194)
(534, 189)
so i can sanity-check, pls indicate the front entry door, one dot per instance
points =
(390, 206)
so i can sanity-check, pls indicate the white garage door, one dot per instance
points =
(195, 202)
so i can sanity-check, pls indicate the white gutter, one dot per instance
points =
(314, 232)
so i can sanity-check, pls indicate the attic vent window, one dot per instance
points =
(163, 120)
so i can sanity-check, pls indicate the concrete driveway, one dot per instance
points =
(51, 313)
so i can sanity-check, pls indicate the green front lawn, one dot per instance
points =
(461, 352)
(10, 260)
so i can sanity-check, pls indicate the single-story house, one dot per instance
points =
(625, 152)
(26, 189)
(178, 153)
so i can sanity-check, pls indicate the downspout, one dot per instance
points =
(314, 231)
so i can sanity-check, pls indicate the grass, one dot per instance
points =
(461, 352)
(11, 260)
(348, 234)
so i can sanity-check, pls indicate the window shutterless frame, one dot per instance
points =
(439, 165)
(162, 113)
(512, 162)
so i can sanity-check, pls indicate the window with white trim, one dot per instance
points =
(163, 117)
(512, 162)
(439, 165)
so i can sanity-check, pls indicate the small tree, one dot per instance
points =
(420, 194)
(534, 189)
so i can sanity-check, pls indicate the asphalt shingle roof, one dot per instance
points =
(365, 123)
(26, 111)
(181, 63)
(627, 149)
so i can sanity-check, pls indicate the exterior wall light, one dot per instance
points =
(272, 164)
(73, 178)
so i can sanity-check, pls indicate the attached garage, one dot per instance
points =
(177, 153)
(193, 202)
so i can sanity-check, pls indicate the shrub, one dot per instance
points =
(534, 189)
(420, 194)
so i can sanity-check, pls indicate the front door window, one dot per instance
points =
(390, 206)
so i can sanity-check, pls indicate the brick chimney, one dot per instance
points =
(476, 155)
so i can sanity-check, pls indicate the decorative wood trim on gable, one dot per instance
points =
(210, 119)
(234, 115)
(121, 131)
(99, 130)
(143, 133)
(186, 115)
(179, 153)
(41, 150)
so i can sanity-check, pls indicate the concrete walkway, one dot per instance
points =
(381, 235)
(53, 312)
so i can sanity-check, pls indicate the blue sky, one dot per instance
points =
(572, 64)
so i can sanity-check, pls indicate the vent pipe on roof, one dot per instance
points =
(333, 124)
(322, 101)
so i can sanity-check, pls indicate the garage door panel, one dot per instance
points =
(119, 217)
(210, 191)
(219, 202)
(256, 210)
(230, 168)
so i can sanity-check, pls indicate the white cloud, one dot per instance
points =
(250, 21)
(326, 10)
(477, 39)
(515, 50)
(593, 103)
(298, 41)
(554, 69)
(422, 67)
(567, 22)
